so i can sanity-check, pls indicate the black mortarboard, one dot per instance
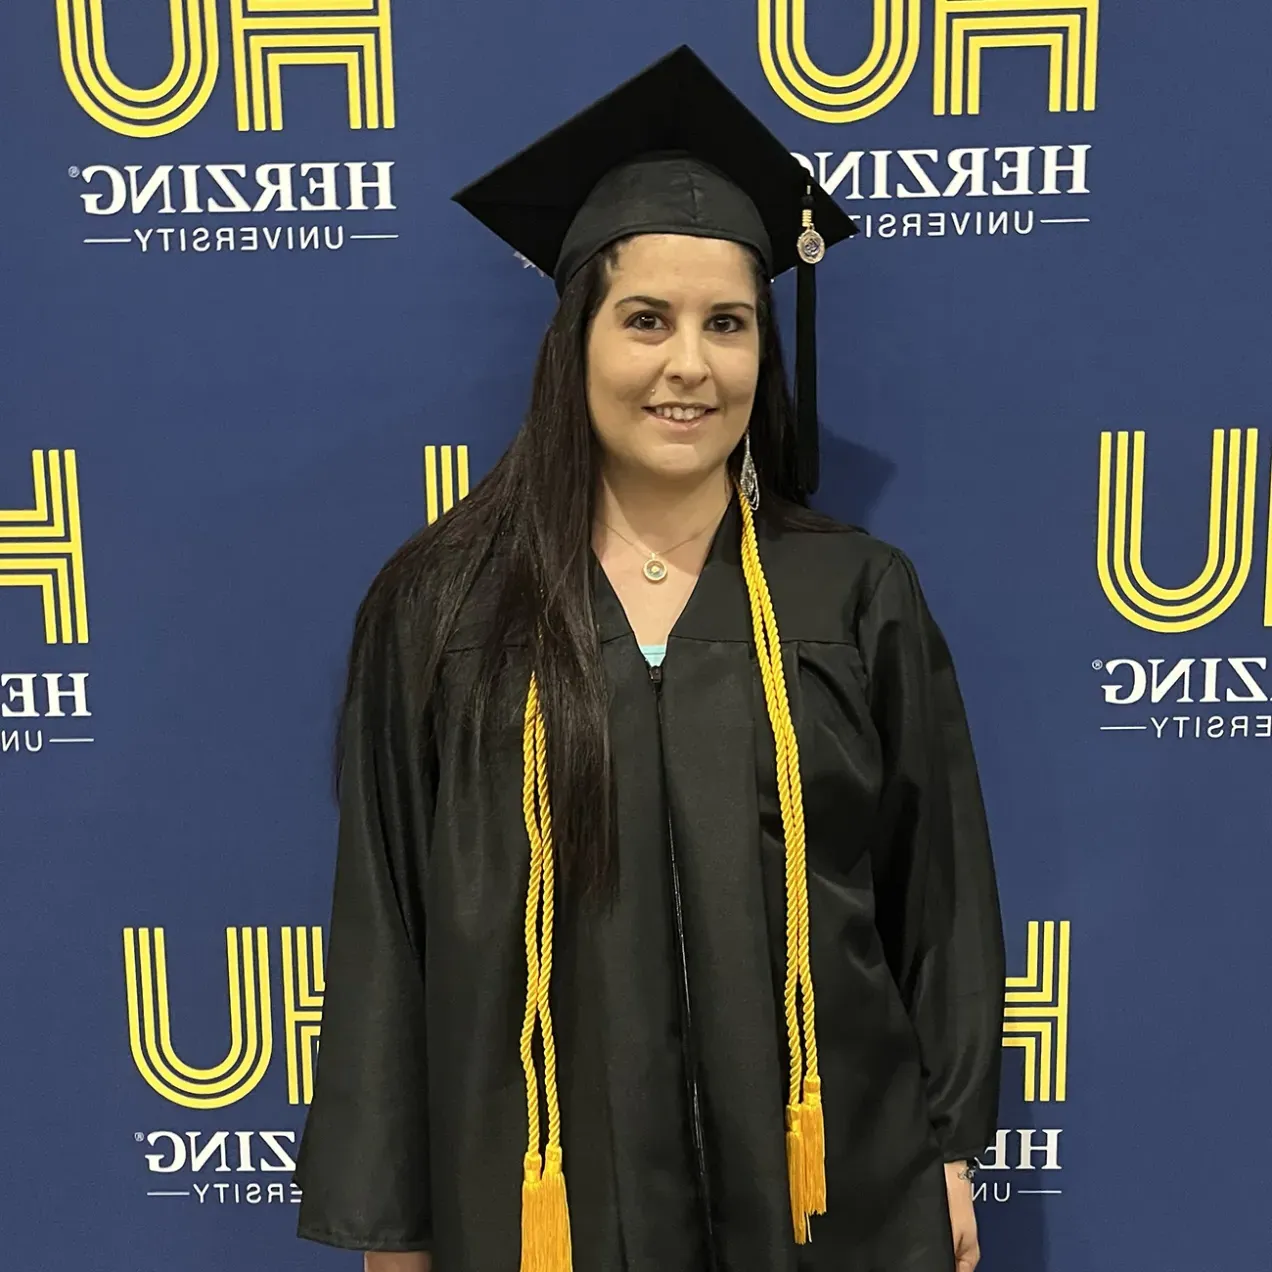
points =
(670, 151)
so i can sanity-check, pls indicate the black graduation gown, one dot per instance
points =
(672, 1047)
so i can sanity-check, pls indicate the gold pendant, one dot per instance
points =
(655, 570)
(810, 246)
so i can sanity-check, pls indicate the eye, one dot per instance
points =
(646, 320)
(727, 324)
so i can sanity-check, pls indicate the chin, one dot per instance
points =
(682, 463)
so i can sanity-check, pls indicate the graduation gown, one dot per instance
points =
(667, 1001)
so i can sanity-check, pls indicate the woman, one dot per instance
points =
(662, 864)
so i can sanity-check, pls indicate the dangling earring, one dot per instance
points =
(750, 479)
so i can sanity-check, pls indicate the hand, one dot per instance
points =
(962, 1218)
(384, 1262)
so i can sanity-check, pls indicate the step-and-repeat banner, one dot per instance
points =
(248, 345)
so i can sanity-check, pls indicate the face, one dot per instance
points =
(673, 355)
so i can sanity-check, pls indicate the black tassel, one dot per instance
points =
(808, 444)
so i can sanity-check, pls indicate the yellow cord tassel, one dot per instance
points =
(545, 1211)
(805, 1122)
(545, 1216)
(813, 1130)
(795, 1172)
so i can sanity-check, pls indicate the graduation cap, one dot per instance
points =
(671, 151)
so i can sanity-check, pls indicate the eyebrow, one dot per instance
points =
(654, 303)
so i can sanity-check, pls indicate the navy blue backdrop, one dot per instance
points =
(237, 306)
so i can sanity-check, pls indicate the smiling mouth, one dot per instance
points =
(680, 414)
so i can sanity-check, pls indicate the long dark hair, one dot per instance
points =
(530, 519)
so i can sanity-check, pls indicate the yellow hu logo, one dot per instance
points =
(1036, 1015)
(962, 31)
(1035, 1018)
(445, 478)
(1234, 457)
(251, 1016)
(42, 547)
(303, 986)
(265, 36)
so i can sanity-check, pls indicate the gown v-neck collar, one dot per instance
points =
(717, 607)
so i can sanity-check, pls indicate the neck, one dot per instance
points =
(657, 513)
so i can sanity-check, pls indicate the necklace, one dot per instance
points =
(655, 568)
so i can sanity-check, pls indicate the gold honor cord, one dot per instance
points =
(545, 1219)
(805, 1125)
(545, 1214)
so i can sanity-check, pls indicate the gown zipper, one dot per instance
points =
(688, 1049)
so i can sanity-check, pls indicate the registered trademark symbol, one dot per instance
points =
(72, 171)
(1098, 665)
(138, 1136)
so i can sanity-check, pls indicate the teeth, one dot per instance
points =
(680, 412)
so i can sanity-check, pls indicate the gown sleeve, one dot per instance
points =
(363, 1162)
(937, 904)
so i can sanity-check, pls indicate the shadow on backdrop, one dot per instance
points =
(852, 480)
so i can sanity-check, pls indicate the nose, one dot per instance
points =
(687, 364)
